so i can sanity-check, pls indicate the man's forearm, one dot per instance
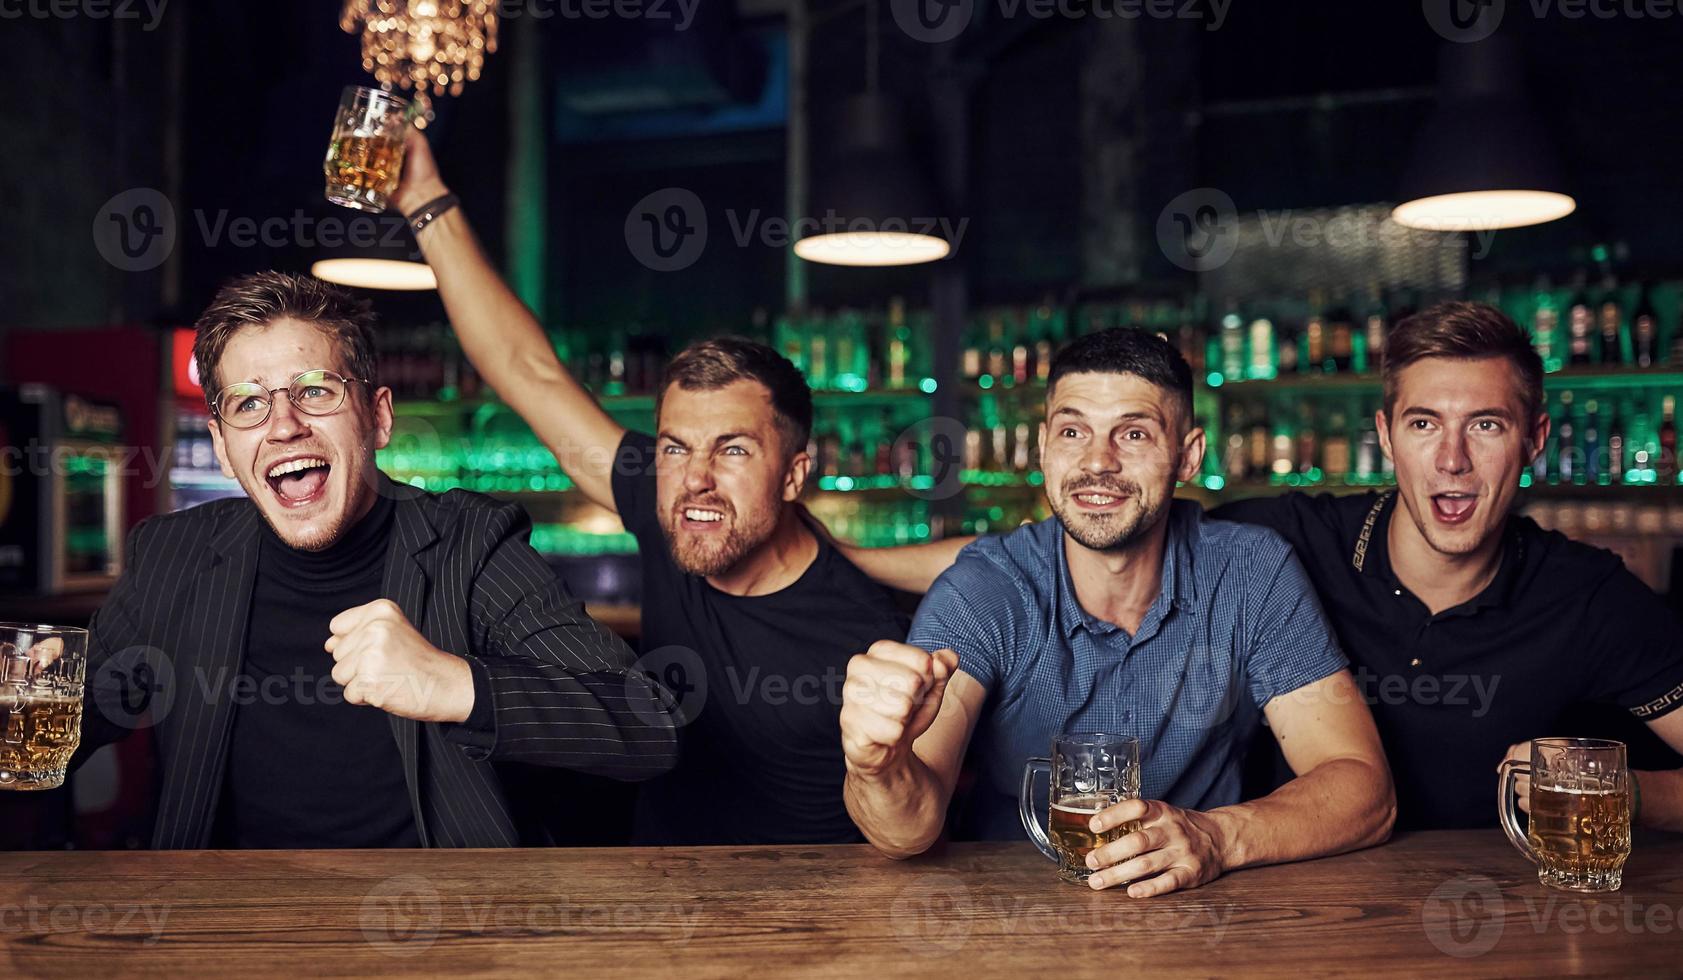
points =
(909, 568)
(1340, 805)
(1662, 799)
(900, 811)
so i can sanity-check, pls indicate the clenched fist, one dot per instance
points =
(384, 662)
(892, 694)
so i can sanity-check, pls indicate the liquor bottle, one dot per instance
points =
(1044, 341)
(1566, 468)
(1644, 331)
(998, 358)
(1022, 450)
(1545, 324)
(972, 360)
(1616, 444)
(1261, 349)
(1376, 329)
(1257, 457)
(1367, 452)
(1232, 346)
(1282, 457)
(1020, 349)
(1593, 463)
(1580, 325)
(1609, 316)
(1340, 339)
(1315, 332)
(1335, 448)
(1285, 345)
(1306, 439)
(1233, 457)
(899, 343)
(1668, 440)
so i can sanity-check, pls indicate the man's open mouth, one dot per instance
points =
(298, 481)
(1096, 499)
(702, 517)
(1454, 507)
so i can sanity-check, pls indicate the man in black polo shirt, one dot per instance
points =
(1470, 629)
(747, 614)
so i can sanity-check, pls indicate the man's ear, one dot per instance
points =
(221, 448)
(795, 477)
(384, 417)
(1191, 455)
(1383, 424)
(1540, 427)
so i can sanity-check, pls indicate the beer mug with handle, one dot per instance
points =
(1089, 772)
(365, 156)
(41, 674)
(1579, 834)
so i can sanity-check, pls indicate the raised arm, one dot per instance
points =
(504, 340)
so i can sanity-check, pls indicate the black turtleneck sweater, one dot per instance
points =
(305, 769)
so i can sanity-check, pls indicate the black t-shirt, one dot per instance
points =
(305, 769)
(1561, 624)
(758, 680)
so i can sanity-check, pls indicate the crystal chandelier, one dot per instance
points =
(423, 45)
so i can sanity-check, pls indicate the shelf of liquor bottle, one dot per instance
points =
(1656, 492)
(1588, 376)
(822, 398)
(193, 478)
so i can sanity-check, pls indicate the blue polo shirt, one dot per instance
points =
(1235, 625)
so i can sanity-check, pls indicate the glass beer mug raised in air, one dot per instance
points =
(1089, 772)
(1579, 834)
(41, 673)
(365, 158)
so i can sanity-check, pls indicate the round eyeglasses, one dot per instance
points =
(246, 404)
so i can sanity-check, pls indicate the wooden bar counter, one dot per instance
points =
(1459, 903)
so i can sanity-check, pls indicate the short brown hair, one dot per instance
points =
(263, 297)
(711, 364)
(1464, 330)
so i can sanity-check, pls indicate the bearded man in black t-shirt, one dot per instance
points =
(748, 615)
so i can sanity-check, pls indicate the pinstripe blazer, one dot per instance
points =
(564, 689)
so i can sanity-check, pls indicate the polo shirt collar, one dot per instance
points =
(1177, 584)
(1370, 554)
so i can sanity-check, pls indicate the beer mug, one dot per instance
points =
(1089, 771)
(41, 674)
(1579, 834)
(365, 156)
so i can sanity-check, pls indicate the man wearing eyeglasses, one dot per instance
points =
(338, 660)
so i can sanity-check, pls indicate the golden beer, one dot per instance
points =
(365, 152)
(37, 738)
(363, 168)
(1066, 827)
(1582, 836)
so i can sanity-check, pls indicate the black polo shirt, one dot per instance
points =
(1561, 624)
